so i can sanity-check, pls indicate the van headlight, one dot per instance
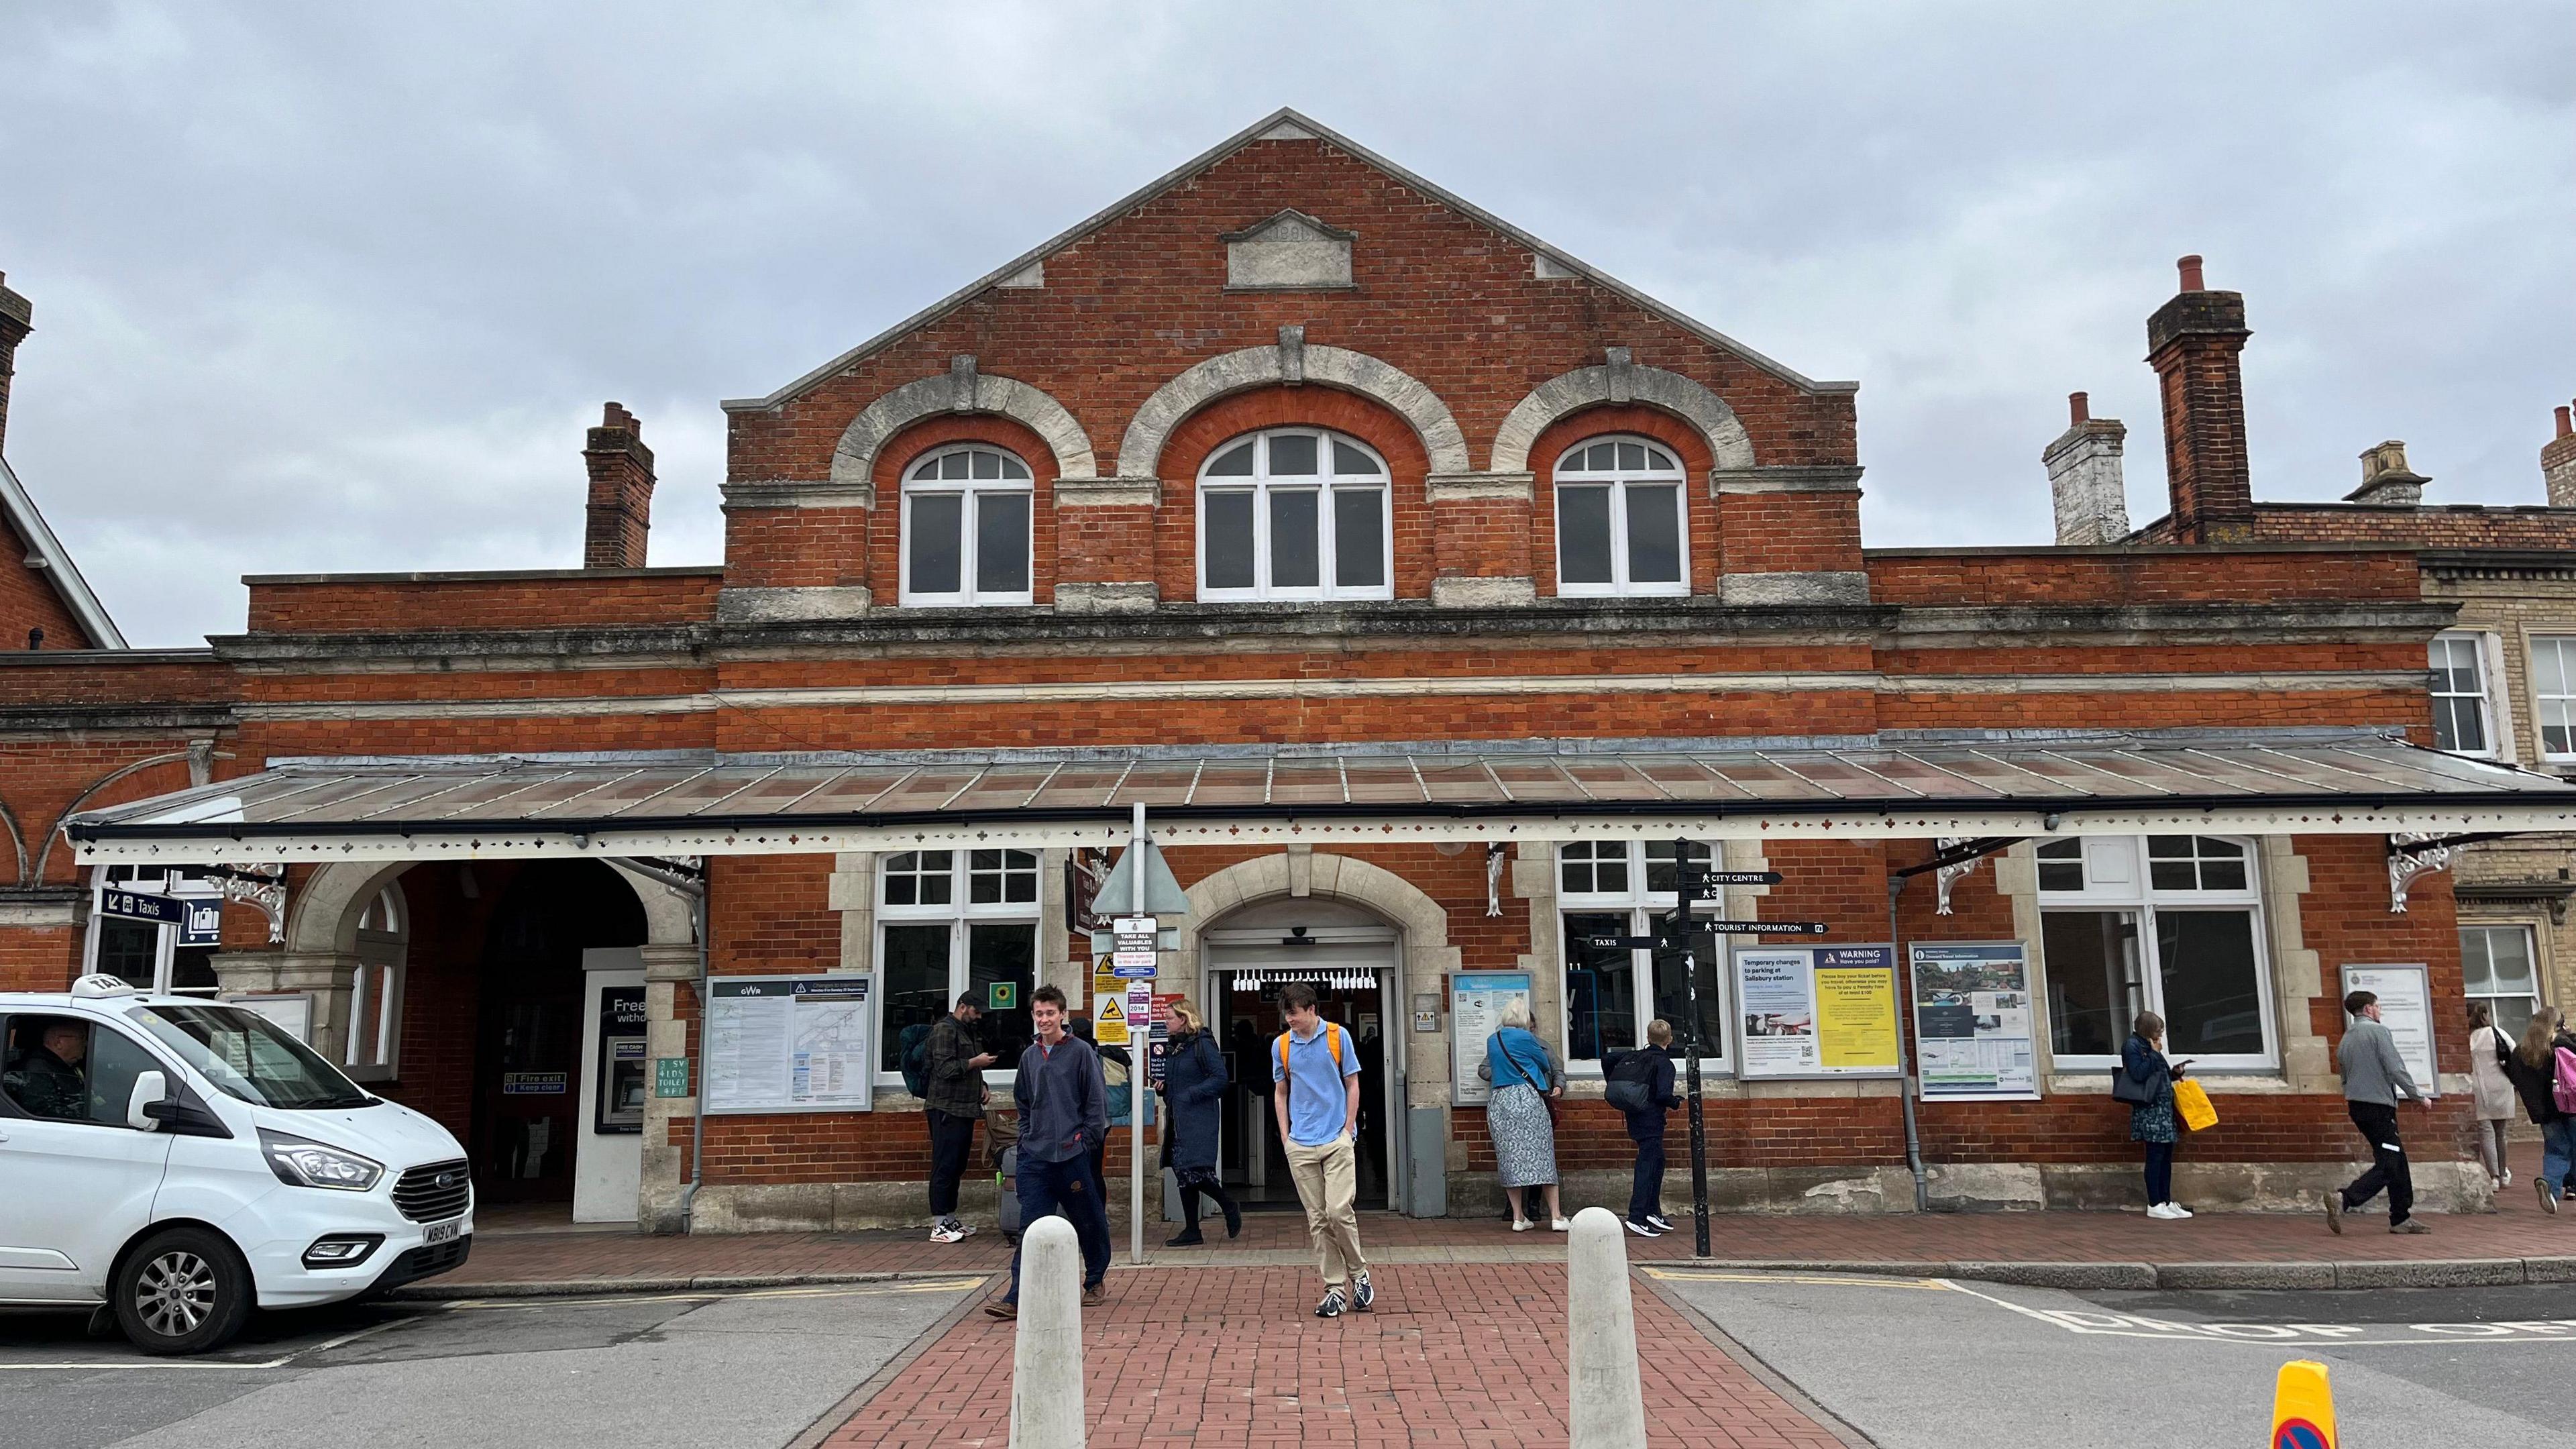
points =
(301, 1163)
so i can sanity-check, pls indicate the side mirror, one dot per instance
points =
(149, 1089)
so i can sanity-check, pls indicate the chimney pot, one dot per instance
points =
(2558, 464)
(2190, 268)
(620, 511)
(2386, 481)
(2078, 407)
(2564, 428)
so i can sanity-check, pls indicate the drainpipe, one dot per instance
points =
(1904, 1056)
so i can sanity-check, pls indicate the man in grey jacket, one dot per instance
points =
(1064, 1109)
(2373, 1076)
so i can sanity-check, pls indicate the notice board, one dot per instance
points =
(790, 1044)
(1476, 1003)
(2406, 1008)
(1817, 1011)
(1973, 1037)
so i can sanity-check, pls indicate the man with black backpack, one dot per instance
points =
(952, 1086)
(1641, 1087)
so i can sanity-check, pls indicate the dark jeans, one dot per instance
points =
(1068, 1188)
(1646, 1192)
(2378, 1126)
(2159, 1172)
(952, 1139)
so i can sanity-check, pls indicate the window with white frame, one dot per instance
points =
(376, 994)
(950, 922)
(2496, 967)
(1620, 888)
(966, 528)
(2165, 923)
(2463, 720)
(1295, 513)
(1620, 524)
(2553, 690)
(149, 954)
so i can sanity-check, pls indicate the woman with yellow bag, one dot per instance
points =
(2146, 1082)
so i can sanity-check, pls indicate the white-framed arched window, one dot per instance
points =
(376, 993)
(1295, 513)
(1621, 523)
(966, 528)
(2171, 924)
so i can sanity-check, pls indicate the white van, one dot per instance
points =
(178, 1160)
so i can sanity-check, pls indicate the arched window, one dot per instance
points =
(1620, 524)
(376, 991)
(966, 528)
(1294, 513)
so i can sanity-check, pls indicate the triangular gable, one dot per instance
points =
(1284, 124)
(49, 561)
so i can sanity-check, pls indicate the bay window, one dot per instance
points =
(1624, 888)
(2163, 923)
(1620, 520)
(951, 922)
(1295, 513)
(966, 529)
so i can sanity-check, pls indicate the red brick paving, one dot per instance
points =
(1465, 1355)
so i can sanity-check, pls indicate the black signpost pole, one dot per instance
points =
(1690, 1003)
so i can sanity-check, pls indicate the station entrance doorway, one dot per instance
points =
(1349, 958)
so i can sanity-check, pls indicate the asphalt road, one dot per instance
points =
(1925, 1364)
(636, 1371)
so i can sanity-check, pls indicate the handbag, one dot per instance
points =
(2126, 1088)
(2191, 1103)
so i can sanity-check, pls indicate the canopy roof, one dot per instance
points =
(2258, 782)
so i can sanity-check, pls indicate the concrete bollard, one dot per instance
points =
(1046, 1361)
(1605, 1403)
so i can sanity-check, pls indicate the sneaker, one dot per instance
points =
(1522, 1226)
(2334, 1211)
(1002, 1308)
(2176, 1210)
(1094, 1294)
(1333, 1303)
(2548, 1199)
(1656, 1221)
(2506, 1180)
(2157, 1210)
(1641, 1230)
(942, 1233)
(1363, 1292)
(2411, 1225)
(1563, 1225)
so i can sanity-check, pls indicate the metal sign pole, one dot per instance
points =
(1135, 1078)
(1690, 1001)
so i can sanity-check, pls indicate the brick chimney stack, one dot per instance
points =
(621, 492)
(2386, 481)
(2084, 481)
(17, 319)
(2193, 342)
(2558, 464)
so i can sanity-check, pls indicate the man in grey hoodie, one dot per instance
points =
(2373, 1076)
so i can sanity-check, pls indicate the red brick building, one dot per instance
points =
(1427, 585)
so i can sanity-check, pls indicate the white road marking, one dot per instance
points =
(2275, 1335)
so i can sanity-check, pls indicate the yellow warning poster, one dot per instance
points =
(1856, 1018)
(1109, 1019)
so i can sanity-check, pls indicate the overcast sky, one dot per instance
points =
(334, 287)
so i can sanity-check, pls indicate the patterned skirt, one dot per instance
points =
(1524, 1139)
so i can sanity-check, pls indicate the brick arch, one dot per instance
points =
(1422, 923)
(962, 390)
(1688, 443)
(324, 918)
(1140, 455)
(1620, 382)
(925, 435)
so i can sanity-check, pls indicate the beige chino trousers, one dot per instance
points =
(1327, 1179)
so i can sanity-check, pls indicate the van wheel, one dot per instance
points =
(183, 1290)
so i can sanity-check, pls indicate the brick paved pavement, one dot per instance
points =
(1469, 1355)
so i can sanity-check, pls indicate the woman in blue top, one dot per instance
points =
(1525, 1076)
(2153, 1121)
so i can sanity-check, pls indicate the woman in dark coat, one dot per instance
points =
(1193, 1094)
(2153, 1120)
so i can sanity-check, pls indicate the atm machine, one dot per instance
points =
(608, 1163)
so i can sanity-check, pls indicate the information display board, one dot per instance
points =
(291, 1012)
(1973, 1033)
(2406, 1008)
(1817, 1011)
(1476, 1003)
(790, 1044)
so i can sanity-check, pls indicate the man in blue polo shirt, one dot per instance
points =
(1315, 1076)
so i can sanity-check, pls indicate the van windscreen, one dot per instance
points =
(246, 1056)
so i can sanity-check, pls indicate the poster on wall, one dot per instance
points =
(2406, 1008)
(1973, 1034)
(291, 1013)
(1477, 1000)
(1817, 1011)
(790, 1044)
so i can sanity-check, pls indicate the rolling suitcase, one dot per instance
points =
(1006, 1187)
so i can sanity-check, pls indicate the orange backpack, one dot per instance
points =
(1332, 1040)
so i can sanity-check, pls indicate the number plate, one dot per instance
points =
(442, 1232)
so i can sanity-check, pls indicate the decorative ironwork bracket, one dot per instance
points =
(263, 886)
(1951, 874)
(1493, 878)
(2414, 853)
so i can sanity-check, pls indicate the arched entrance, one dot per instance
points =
(532, 1017)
